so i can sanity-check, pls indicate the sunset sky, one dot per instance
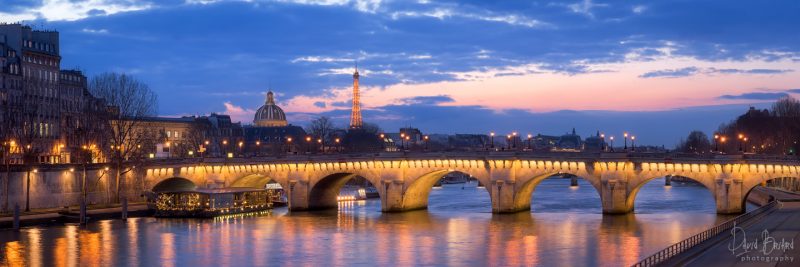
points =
(654, 68)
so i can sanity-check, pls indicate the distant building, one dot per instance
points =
(570, 141)
(271, 133)
(594, 143)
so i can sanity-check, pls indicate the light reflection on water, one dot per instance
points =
(565, 228)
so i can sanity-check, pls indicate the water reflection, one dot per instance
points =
(566, 228)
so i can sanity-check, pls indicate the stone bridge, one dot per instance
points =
(405, 180)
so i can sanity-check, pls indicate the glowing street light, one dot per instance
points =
(625, 135)
(492, 138)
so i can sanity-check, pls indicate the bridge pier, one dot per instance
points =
(298, 195)
(615, 197)
(392, 197)
(505, 198)
(729, 195)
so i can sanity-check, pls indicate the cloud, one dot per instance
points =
(673, 73)
(321, 59)
(238, 113)
(442, 13)
(94, 31)
(68, 10)
(748, 71)
(755, 96)
(689, 71)
(794, 91)
(639, 9)
(584, 7)
(427, 100)
(319, 104)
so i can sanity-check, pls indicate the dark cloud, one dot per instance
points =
(684, 72)
(796, 91)
(319, 104)
(427, 100)
(749, 71)
(755, 96)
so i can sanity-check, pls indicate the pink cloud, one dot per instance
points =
(238, 113)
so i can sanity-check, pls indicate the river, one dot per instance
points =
(566, 227)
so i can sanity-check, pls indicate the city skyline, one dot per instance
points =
(444, 67)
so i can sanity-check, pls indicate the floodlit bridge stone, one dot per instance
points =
(404, 183)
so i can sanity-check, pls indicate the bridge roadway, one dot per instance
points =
(405, 180)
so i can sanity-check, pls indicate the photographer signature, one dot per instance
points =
(766, 244)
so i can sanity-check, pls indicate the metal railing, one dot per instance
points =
(694, 240)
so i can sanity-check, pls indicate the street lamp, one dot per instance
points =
(603, 140)
(625, 135)
(633, 143)
(258, 147)
(741, 137)
(321, 146)
(288, 144)
(716, 142)
(426, 142)
(308, 144)
(722, 140)
(408, 142)
(337, 143)
(745, 144)
(612, 143)
(529, 142)
(403, 141)
(492, 138)
(508, 141)
(514, 139)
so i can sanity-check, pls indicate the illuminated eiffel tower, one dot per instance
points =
(355, 116)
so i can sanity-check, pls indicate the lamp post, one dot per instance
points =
(514, 140)
(408, 142)
(337, 144)
(741, 137)
(633, 143)
(722, 140)
(241, 148)
(403, 141)
(288, 144)
(492, 138)
(508, 141)
(612, 143)
(224, 146)
(625, 135)
(308, 144)
(745, 144)
(321, 145)
(603, 146)
(383, 141)
(530, 146)
(7, 158)
(716, 142)
(258, 147)
(426, 142)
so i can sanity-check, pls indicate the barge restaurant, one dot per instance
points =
(180, 199)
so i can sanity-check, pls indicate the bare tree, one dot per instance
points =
(129, 101)
(322, 128)
(696, 142)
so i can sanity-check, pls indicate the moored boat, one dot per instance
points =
(206, 203)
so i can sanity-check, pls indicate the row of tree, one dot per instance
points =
(768, 131)
(365, 139)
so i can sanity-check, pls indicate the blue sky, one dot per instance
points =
(655, 68)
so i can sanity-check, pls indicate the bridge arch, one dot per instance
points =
(525, 189)
(257, 180)
(174, 184)
(637, 185)
(323, 192)
(763, 181)
(416, 194)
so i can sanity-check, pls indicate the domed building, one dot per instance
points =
(270, 133)
(270, 115)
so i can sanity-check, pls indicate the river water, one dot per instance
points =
(566, 227)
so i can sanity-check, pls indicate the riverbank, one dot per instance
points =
(71, 214)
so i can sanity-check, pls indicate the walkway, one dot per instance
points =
(782, 226)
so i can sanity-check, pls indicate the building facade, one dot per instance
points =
(45, 110)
